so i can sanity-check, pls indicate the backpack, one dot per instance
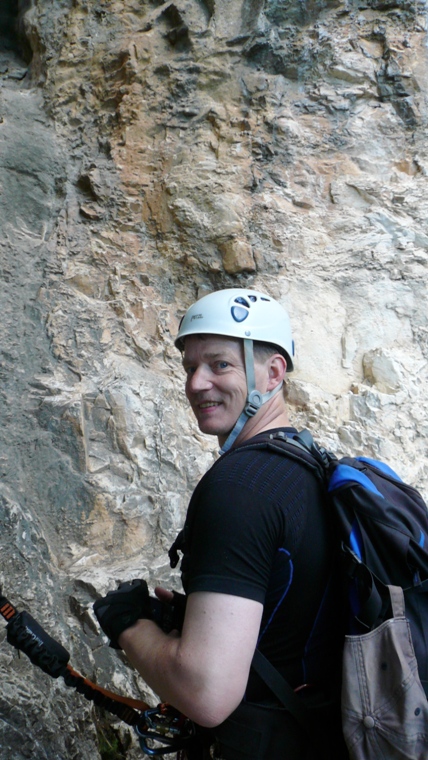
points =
(382, 526)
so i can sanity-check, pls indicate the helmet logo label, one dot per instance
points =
(196, 316)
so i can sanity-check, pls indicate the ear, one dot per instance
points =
(277, 370)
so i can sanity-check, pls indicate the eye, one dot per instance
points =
(220, 365)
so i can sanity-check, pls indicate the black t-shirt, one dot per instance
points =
(258, 527)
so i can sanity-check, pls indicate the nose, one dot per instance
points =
(198, 380)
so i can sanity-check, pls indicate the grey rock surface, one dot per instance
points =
(150, 153)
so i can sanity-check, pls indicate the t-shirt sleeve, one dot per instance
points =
(233, 541)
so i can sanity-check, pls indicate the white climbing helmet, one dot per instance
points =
(250, 316)
(240, 313)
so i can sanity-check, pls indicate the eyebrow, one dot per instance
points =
(211, 356)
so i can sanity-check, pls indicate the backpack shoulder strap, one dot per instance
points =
(298, 446)
(281, 688)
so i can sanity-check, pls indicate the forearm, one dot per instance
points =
(175, 671)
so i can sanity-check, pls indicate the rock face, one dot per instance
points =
(150, 153)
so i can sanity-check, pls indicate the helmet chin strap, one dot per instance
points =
(254, 401)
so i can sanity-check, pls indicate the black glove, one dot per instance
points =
(25, 634)
(122, 608)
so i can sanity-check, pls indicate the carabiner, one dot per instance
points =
(164, 730)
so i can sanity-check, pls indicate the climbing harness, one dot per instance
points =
(161, 730)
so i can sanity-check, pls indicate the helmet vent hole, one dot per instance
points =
(239, 313)
(243, 301)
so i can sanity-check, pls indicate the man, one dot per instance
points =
(257, 557)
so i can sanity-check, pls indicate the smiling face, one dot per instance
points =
(216, 383)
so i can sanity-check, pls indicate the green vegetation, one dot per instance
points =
(110, 745)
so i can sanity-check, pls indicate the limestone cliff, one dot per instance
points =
(151, 152)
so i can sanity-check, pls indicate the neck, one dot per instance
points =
(271, 415)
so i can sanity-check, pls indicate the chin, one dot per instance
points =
(211, 429)
(208, 430)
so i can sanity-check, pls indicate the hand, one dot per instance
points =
(168, 609)
(164, 594)
(122, 608)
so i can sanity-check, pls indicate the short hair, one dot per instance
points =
(263, 351)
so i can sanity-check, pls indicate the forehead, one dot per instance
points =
(211, 345)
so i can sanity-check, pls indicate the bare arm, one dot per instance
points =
(204, 671)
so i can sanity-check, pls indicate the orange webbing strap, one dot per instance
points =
(7, 609)
(127, 709)
(160, 730)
